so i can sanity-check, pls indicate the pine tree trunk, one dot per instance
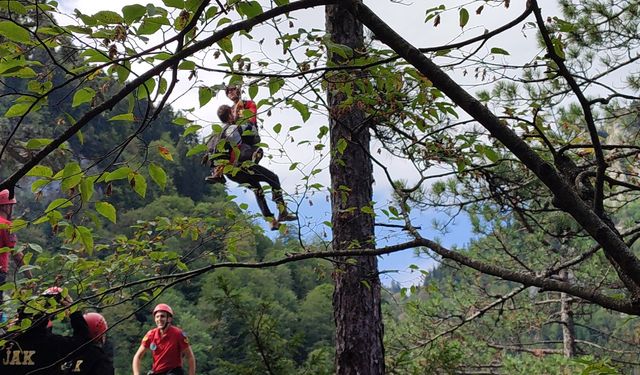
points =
(356, 299)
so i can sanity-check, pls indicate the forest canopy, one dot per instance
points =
(520, 119)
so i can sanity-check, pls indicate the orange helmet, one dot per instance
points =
(97, 324)
(4, 198)
(163, 307)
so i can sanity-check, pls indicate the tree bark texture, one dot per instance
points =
(356, 299)
(566, 317)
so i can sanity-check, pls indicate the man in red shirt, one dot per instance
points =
(7, 239)
(167, 343)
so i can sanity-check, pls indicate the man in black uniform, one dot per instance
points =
(36, 350)
(91, 358)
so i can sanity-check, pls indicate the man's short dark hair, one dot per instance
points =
(224, 113)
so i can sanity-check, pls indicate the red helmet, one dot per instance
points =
(163, 307)
(4, 198)
(97, 324)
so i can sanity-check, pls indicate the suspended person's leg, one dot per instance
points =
(245, 178)
(263, 174)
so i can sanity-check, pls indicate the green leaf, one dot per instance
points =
(118, 174)
(146, 89)
(71, 176)
(249, 8)
(191, 129)
(108, 17)
(84, 95)
(122, 117)
(152, 24)
(58, 204)
(13, 32)
(37, 143)
(139, 184)
(464, 17)
(107, 210)
(226, 44)
(133, 13)
(499, 51)
(281, 2)
(86, 237)
(204, 95)
(197, 149)
(40, 171)
(123, 72)
(187, 65)
(174, 3)
(158, 175)
(275, 84)
(253, 91)
(36, 185)
(277, 127)
(342, 145)
(17, 109)
(87, 188)
(302, 109)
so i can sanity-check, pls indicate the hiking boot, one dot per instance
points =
(211, 179)
(257, 155)
(287, 216)
(274, 224)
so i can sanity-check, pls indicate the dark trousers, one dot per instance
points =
(253, 176)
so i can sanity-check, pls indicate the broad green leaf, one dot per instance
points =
(71, 176)
(40, 171)
(249, 8)
(122, 117)
(197, 150)
(58, 204)
(187, 65)
(158, 175)
(204, 95)
(17, 109)
(152, 24)
(94, 55)
(38, 184)
(174, 3)
(86, 237)
(499, 51)
(302, 109)
(146, 89)
(14, 7)
(107, 210)
(342, 145)
(87, 188)
(464, 17)
(84, 95)
(281, 2)
(226, 44)
(133, 13)
(108, 17)
(118, 174)
(37, 143)
(13, 32)
(277, 128)
(253, 91)
(191, 129)
(123, 72)
(275, 84)
(24, 72)
(139, 184)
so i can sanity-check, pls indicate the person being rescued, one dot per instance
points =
(233, 153)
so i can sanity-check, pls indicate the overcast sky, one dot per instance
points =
(407, 19)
